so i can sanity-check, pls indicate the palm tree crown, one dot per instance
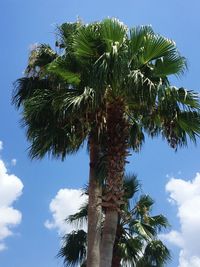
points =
(98, 61)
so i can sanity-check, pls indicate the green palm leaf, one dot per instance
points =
(156, 46)
(86, 42)
(66, 33)
(113, 33)
(58, 68)
(74, 248)
(25, 88)
(138, 36)
(155, 254)
(172, 64)
(39, 57)
(80, 217)
(131, 186)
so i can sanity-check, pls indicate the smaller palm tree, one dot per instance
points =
(136, 242)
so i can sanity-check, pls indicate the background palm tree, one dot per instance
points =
(136, 242)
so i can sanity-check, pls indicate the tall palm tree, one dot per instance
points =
(144, 60)
(131, 70)
(136, 242)
(58, 118)
(113, 81)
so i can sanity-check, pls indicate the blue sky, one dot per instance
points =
(32, 244)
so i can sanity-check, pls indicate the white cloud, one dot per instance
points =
(10, 189)
(186, 196)
(66, 202)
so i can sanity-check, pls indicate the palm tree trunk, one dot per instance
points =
(117, 136)
(116, 259)
(108, 238)
(94, 209)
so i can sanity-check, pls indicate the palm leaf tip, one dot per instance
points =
(80, 217)
(65, 33)
(131, 185)
(113, 30)
(40, 56)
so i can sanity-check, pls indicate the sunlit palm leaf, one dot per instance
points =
(86, 42)
(137, 38)
(66, 33)
(113, 32)
(172, 64)
(156, 46)
(58, 68)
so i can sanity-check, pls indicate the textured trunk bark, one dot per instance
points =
(94, 209)
(117, 136)
(108, 239)
(116, 255)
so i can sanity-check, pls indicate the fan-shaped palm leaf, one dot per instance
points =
(74, 248)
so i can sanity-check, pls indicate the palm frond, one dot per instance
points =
(81, 101)
(158, 222)
(86, 42)
(137, 38)
(144, 205)
(51, 132)
(131, 186)
(25, 87)
(155, 254)
(173, 97)
(39, 57)
(66, 33)
(59, 68)
(156, 46)
(136, 136)
(80, 217)
(73, 250)
(142, 229)
(181, 128)
(130, 249)
(113, 32)
(172, 64)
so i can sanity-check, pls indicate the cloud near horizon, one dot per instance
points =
(66, 202)
(10, 189)
(186, 196)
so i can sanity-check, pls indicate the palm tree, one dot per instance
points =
(136, 242)
(130, 71)
(111, 85)
(58, 118)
